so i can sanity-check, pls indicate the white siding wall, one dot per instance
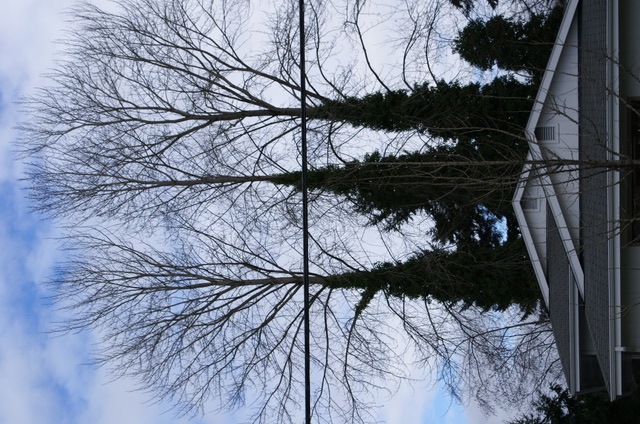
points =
(561, 111)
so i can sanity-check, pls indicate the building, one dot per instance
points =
(576, 210)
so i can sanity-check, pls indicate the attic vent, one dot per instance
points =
(530, 204)
(545, 133)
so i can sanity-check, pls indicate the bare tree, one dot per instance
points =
(157, 144)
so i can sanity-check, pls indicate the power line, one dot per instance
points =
(305, 219)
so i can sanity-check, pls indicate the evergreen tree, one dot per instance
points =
(560, 407)
(466, 196)
(510, 44)
(488, 278)
(491, 114)
(466, 184)
(477, 123)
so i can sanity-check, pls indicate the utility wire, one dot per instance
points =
(305, 219)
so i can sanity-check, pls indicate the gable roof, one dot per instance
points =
(584, 208)
(535, 169)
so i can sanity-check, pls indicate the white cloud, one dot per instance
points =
(409, 405)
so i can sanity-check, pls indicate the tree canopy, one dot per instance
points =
(560, 407)
(166, 143)
(510, 44)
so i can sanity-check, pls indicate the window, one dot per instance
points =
(530, 204)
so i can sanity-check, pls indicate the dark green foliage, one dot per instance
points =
(465, 184)
(489, 278)
(488, 268)
(517, 46)
(452, 183)
(480, 123)
(494, 113)
(460, 112)
(465, 196)
(467, 5)
(562, 408)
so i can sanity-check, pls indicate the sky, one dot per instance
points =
(46, 377)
